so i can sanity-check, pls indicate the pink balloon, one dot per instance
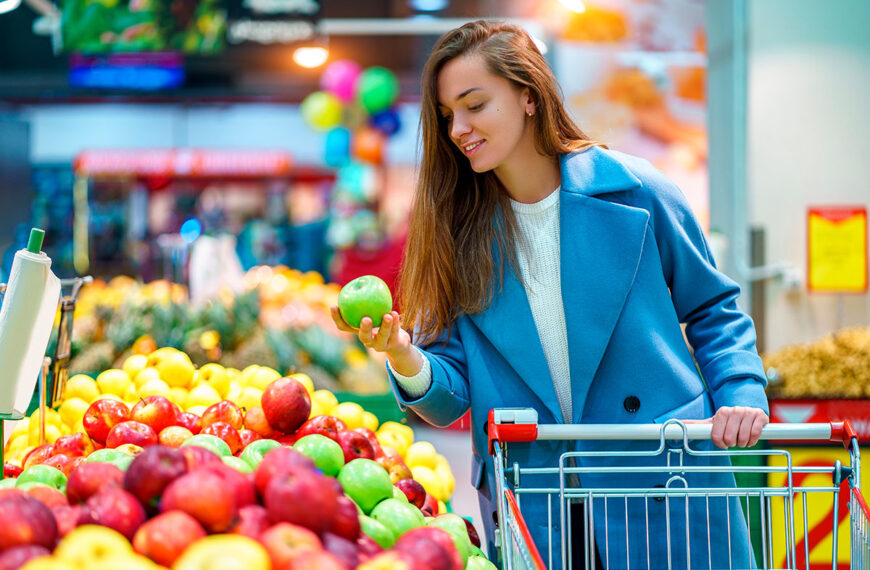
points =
(339, 78)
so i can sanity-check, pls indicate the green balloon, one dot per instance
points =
(321, 110)
(377, 89)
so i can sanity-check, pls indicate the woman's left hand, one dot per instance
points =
(737, 425)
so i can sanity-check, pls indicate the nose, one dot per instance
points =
(458, 128)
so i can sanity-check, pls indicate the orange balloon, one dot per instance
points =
(368, 145)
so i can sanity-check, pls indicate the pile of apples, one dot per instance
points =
(272, 485)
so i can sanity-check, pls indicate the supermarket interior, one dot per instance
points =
(188, 188)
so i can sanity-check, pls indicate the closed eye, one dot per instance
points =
(477, 107)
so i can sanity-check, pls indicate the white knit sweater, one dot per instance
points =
(538, 259)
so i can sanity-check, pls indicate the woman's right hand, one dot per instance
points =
(389, 338)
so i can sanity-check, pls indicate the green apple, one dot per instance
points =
(366, 296)
(108, 455)
(377, 532)
(8, 483)
(479, 563)
(475, 551)
(254, 451)
(398, 516)
(326, 453)
(454, 525)
(366, 482)
(400, 495)
(210, 442)
(43, 474)
(237, 463)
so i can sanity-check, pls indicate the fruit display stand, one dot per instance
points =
(164, 464)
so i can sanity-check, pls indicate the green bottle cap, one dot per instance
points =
(34, 244)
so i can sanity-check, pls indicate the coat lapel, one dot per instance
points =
(601, 245)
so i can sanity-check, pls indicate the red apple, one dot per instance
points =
(203, 495)
(430, 506)
(48, 496)
(74, 445)
(280, 460)
(60, 461)
(343, 549)
(37, 455)
(285, 541)
(190, 421)
(367, 547)
(102, 416)
(66, 517)
(197, 456)
(345, 523)
(223, 411)
(89, 478)
(255, 419)
(18, 556)
(395, 466)
(247, 436)
(413, 490)
(288, 439)
(227, 433)
(241, 485)
(174, 436)
(114, 508)
(252, 522)
(431, 547)
(286, 404)
(320, 559)
(166, 536)
(25, 521)
(301, 497)
(472, 532)
(355, 446)
(324, 425)
(11, 470)
(73, 465)
(136, 433)
(373, 439)
(155, 411)
(151, 472)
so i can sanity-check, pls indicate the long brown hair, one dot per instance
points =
(461, 218)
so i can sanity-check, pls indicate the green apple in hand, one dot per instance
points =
(366, 296)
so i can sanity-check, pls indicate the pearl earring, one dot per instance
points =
(529, 113)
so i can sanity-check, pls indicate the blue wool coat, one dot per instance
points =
(634, 266)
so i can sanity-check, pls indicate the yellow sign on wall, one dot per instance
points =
(837, 250)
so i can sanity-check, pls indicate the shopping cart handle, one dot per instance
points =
(521, 425)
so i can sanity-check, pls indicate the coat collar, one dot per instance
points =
(600, 248)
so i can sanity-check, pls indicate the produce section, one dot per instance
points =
(163, 464)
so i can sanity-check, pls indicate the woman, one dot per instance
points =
(545, 271)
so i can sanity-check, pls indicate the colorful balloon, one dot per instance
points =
(340, 77)
(377, 89)
(321, 110)
(337, 147)
(387, 122)
(368, 145)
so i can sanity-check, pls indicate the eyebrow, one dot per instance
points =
(461, 95)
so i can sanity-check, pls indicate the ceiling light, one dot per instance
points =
(8, 5)
(310, 56)
(428, 5)
(573, 5)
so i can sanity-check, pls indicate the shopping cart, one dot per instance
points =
(781, 526)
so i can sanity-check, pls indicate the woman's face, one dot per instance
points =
(486, 115)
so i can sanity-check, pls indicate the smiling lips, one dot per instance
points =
(471, 148)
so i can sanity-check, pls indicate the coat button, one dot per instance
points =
(659, 499)
(631, 404)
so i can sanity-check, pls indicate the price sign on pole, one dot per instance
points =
(837, 249)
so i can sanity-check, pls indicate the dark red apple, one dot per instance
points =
(18, 556)
(355, 446)
(25, 521)
(202, 494)
(367, 547)
(280, 460)
(89, 478)
(133, 432)
(102, 416)
(151, 472)
(345, 523)
(286, 404)
(114, 508)
(373, 439)
(301, 497)
(413, 490)
(155, 411)
(223, 411)
(430, 506)
(11, 470)
(431, 547)
(472, 532)
(342, 548)
(66, 517)
(166, 536)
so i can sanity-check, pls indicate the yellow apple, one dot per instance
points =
(134, 364)
(247, 373)
(178, 396)
(262, 377)
(405, 430)
(155, 387)
(430, 481)
(215, 376)
(224, 552)
(350, 413)
(72, 410)
(202, 395)
(113, 381)
(20, 427)
(250, 397)
(130, 394)
(325, 399)
(370, 421)
(86, 546)
(394, 439)
(81, 386)
(234, 392)
(146, 375)
(176, 369)
(421, 453)
(48, 563)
